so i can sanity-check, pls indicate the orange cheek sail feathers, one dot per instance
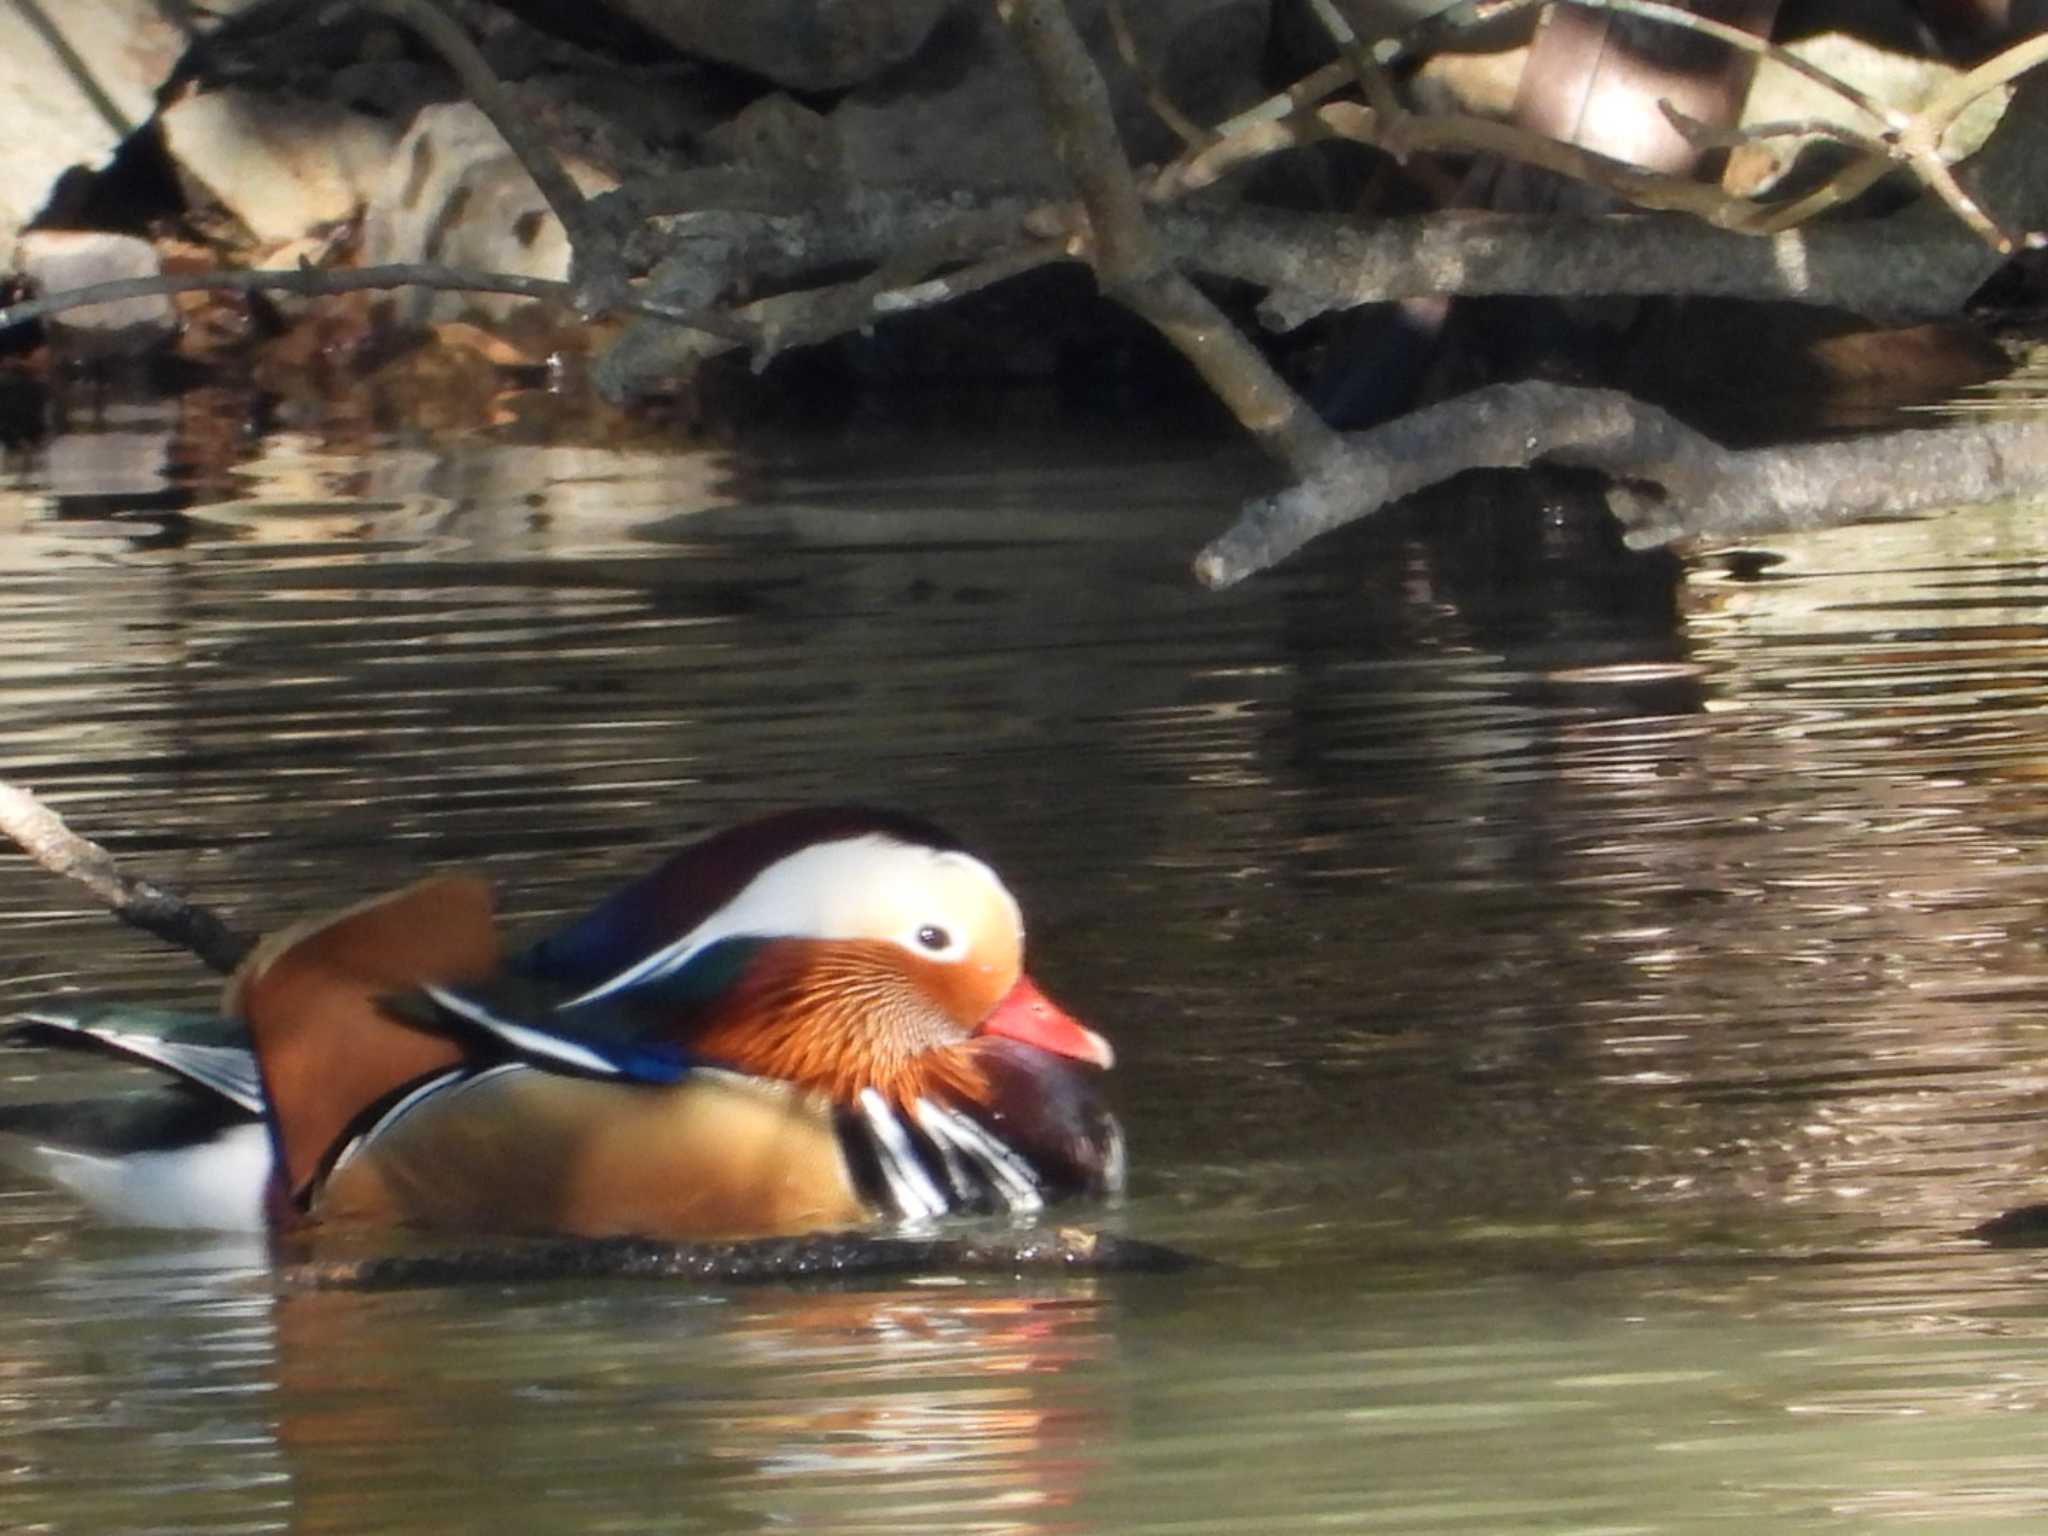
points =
(812, 1020)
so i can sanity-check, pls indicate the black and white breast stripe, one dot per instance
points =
(935, 1161)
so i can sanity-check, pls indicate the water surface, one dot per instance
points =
(1576, 1002)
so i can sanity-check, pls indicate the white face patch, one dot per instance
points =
(937, 905)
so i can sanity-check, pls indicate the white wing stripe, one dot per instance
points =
(662, 962)
(453, 1080)
(228, 1070)
(523, 1037)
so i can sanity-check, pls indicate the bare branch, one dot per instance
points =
(815, 315)
(1185, 128)
(1127, 256)
(1310, 264)
(1697, 488)
(1671, 482)
(1501, 427)
(906, 239)
(1379, 90)
(309, 282)
(42, 834)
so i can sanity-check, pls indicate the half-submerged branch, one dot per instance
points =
(820, 1256)
(1669, 481)
(43, 835)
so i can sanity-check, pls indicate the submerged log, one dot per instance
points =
(820, 1256)
(2024, 1226)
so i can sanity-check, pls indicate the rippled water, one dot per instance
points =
(1576, 1002)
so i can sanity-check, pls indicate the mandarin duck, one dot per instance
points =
(804, 1022)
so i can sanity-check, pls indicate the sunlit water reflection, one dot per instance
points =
(1577, 1009)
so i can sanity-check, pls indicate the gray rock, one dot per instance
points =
(806, 45)
(54, 260)
(283, 166)
(75, 80)
(453, 193)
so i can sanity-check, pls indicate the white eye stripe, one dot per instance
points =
(834, 891)
(522, 1037)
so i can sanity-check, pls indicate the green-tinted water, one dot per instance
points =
(1576, 1011)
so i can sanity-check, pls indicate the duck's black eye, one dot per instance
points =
(934, 938)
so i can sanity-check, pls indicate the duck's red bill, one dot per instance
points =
(1027, 1014)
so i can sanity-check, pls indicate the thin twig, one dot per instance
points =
(1874, 159)
(1921, 139)
(1468, 135)
(1127, 256)
(1422, 38)
(1278, 123)
(1950, 100)
(1748, 42)
(1378, 88)
(1185, 128)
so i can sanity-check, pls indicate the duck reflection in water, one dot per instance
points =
(886, 1410)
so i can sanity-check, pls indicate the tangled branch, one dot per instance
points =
(731, 230)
